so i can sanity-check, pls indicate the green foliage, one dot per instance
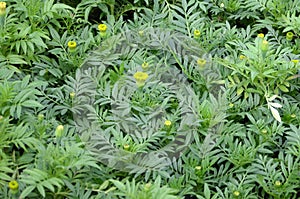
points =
(74, 123)
(144, 191)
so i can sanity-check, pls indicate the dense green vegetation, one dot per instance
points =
(154, 99)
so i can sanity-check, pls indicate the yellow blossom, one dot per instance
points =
(2, 8)
(140, 78)
(197, 33)
(72, 46)
(102, 27)
(198, 168)
(13, 185)
(168, 123)
(261, 35)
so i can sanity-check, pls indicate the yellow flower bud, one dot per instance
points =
(72, 95)
(2, 8)
(201, 63)
(147, 186)
(242, 57)
(41, 117)
(13, 185)
(264, 131)
(265, 46)
(289, 36)
(236, 193)
(141, 32)
(277, 183)
(198, 168)
(126, 146)
(261, 35)
(145, 65)
(197, 34)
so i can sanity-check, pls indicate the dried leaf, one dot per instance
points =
(275, 114)
(276, 105)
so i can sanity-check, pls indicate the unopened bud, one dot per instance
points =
(59, 131)
(72, 95)
(2, 8)
(41, 117)
(265, 46)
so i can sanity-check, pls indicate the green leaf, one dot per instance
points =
(240, 90)
(27, 191)
(104, 185)
(32, 103)
(206, 191)
(24, 46)
(283, 88)
(41, 189)
(15, 59)
(119, 185)
(54, 34)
